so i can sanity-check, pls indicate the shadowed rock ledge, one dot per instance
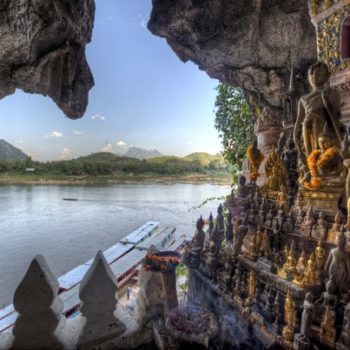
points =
(247, 43)
(43, 50)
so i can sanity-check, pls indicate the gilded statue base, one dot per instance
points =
(288, 333)
(325, 199)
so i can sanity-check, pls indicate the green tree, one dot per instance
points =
(235, 122)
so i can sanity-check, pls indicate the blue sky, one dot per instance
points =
(143, 96)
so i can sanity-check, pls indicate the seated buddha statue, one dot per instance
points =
(306, 226)
(325, 164)
(319, 230)
(276, 172)
(335, 229)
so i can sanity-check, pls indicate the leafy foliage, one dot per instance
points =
(235, 122)
(108, 164)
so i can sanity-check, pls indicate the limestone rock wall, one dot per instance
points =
(247, 43)
(43, 50)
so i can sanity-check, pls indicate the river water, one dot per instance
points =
(36, 220)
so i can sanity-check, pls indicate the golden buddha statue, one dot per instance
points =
(319, 107)
(310, 273)
(252, 287)
(300, 270)
(282, 197)
(326, 163)
(276, 172)
(288, 271)
(328, 331)
(255, 157)
(289, 317)
(335, 229)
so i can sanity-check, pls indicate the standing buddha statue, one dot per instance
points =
(255, 157)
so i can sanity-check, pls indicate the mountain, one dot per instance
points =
(205, 158)
(8, 152)
(140, 153)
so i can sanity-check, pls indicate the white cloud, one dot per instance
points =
(98, 116)
(80, 133)
(21, 142)
(55, 134)
(65, 153)
(107, 148)
(121, 143)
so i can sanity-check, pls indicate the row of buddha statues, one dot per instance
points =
(222, 252)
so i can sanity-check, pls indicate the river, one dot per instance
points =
(36, 220)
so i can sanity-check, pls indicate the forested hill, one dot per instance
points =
(104, 163)
(8, 152)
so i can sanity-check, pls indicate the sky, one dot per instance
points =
(144, 96)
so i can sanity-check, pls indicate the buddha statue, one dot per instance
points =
(325, 164)
(310, 272)
(255, 157)
(335, 229)
(299, 218)
(242, 189)
(242, 230)
(259, 237)
(224, 275)
(319, 230)
(260, 218)
(290, 158)
(265, 247)
(320, 254)
(288, 225)
(320, 106)
(252, 287)
(253, 248)
(300, 269)
(282, 197)
(197, 244)
(288, 270)
(269, 218)
(338, 265)
(289, 317)
(328, 330)
(307, 317)
(229, 228)
(308, 222)
(276, 172)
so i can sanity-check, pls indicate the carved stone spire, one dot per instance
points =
(98, 294)
(40, 322)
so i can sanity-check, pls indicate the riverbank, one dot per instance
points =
(193, 178)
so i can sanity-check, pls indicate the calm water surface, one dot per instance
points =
(36, 220)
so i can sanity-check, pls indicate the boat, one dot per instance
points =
(124, 258)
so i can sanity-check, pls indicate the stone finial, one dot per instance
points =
(98, 295)
(40, 322)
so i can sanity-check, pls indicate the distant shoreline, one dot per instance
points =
(32, 179)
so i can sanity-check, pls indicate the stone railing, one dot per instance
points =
(102, 323)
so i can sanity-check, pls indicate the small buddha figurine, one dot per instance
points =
(260, 218)
(212, 260)
(310, 273)
(338, 265)
(289, 317)
(320, 254)
(259, 237)
(252, 287)
(282, 197)
(197, 243)
(220, 225)
(242, 230)
(299, 218)
(269, 218)
(335, 229)
(306, 226)
(229, 228)
(288, 225)
(253, 248)
(280, 216)
(319, 230)
(328, 331)
(288, 270)
(300, 268)
(265, 247)
(242, 190)
(255, 157)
